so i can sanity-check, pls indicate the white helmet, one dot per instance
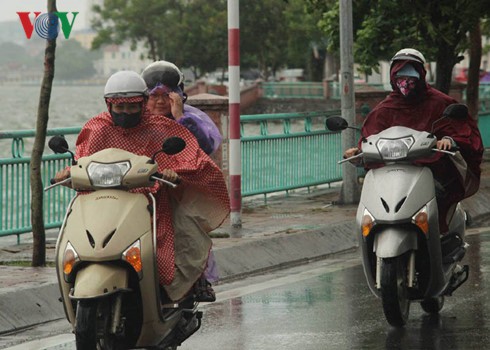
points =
(409, 54)
(125, 83)
(162, 72)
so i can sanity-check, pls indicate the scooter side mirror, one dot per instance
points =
(336, 123)
(456, 111)
(173, 145)
(58, 144)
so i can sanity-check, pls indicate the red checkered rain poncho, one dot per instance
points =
(203, 184)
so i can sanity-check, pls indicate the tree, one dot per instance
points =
(74, 61)
(437, 28)
(202, 40)
(118, 21)
(263, 34)
(190, 33)
(193, 34)
(306, 42)
(37, 220)
(14, 53)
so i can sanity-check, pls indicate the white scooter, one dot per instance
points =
(404, 256)
(105, 255)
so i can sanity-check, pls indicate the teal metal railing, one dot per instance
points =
(286, 151)
(293, 90)
(15, 184)
(280, 152)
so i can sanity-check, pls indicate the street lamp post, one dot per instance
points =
(349, 193)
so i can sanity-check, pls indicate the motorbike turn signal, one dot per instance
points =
(133, 256)
(70, 257)
(367, 223)
(421, 219)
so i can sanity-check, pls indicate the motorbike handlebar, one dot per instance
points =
(358, 155)
(54, 183)
(158, 177)
(451, 152)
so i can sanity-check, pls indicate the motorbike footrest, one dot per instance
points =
(458, 279)
(454, 256)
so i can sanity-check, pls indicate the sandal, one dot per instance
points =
(203, 291)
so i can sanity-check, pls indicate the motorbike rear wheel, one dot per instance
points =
(432, 305)
(394, 290)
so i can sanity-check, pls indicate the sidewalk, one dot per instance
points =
(285, 230)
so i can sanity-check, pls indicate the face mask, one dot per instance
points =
(406, 85)
(126, 120)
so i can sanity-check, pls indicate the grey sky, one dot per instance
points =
(9, 9)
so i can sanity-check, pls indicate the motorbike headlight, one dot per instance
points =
(107, 175)
(394, 149)
(132, 255)
(421, 219)
(70, 258)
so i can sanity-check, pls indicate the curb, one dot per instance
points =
(35, 304)
(31, 303)
(272, 253)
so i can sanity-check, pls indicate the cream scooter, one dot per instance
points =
(105, 255)
(404, 256)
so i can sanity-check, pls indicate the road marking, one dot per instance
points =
(56, 342)
(327, 266)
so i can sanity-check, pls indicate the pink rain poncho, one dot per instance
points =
(200, 176)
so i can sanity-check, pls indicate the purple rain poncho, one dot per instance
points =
(202, 127)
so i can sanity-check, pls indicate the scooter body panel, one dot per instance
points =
(99, 280)
(394, 241)
(393, 195)
(396, 192)
(100, 226)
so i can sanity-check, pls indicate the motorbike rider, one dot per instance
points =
(128, 125)
(415, 104)
(165, 82)
(167, 98)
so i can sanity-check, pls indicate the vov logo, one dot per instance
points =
(47, 25)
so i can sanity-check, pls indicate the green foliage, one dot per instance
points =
(306, 42)
(15, 54)
(382, 27)
(189, 33)
(75, 62)
(194, 33)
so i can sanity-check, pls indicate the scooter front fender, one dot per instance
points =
(99, 280)
(394, 241)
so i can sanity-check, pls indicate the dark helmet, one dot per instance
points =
(163, 72)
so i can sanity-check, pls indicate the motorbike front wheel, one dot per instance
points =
(394, 290)
(85, 330)
(432, 305)
(92, 326)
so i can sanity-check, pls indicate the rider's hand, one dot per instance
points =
(176, 105)
(351, 152)
(63, 175)
(445, 144)
(170, 175)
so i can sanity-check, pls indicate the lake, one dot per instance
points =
(69, 106)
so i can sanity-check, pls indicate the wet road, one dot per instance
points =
(336, 310)
(327, 305)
